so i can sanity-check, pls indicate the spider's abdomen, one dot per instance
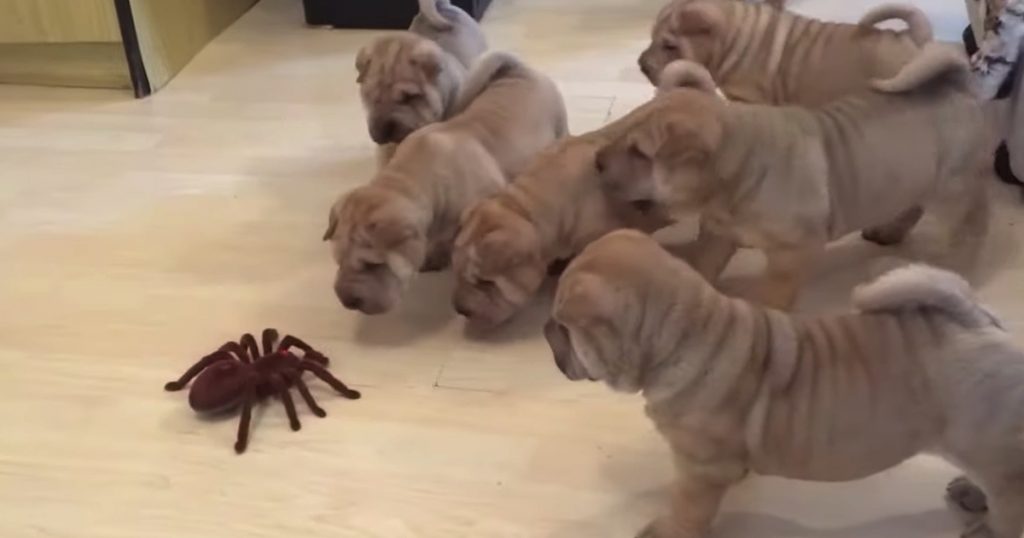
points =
(219, 388)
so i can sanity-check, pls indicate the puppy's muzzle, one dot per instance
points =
(385, 131)
(561, 347)
(645, 67)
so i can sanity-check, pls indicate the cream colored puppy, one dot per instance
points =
(788, 180)
(508, 242)
(760, 54)
(406, 218)
(733, 388)
(411, 79)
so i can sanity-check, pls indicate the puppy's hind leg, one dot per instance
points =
(893, 232)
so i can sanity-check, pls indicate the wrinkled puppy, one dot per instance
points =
(787, 180)
(411, 79)
(734, 388)
(406, 218)
(508, 242)
(760, 54)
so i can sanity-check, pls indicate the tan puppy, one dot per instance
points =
(734, 388)
(760, 54)
(406, 218)
(788, 180)
(549, 213)
(411, 79)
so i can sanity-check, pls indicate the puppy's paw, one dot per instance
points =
(965, 496)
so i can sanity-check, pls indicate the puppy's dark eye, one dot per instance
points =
(407, 97)
(486, 285)
(634, 152)
(372, 266)
(669, 46)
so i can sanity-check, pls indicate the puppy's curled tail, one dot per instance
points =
(432, 13)
(922, 287)
(935, 62)
(686, 74)
(918, 25)
(492, 66)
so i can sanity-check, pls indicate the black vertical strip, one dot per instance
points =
(136, 67)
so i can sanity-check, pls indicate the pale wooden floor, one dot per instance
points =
(137, 235)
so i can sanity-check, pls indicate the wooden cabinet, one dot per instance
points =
(138, 44)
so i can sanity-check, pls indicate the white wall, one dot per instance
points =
(949, 17)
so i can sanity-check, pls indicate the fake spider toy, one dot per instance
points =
(237, 374)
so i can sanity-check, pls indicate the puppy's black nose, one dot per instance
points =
(384, 132)
(352, 303)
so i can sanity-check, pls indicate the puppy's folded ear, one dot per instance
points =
(693, 135)
(362, 64)
(701, 18)
(427, 56)
(390, 233)
(583, 299)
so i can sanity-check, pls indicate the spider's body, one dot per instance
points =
(238, 374)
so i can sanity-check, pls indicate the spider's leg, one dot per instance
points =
(281, 388)
(296, 378)
(238, 351)
(270, 338)
(248, 341)
(243, 423)
(290, 341)
(326, 376)
(199, 366)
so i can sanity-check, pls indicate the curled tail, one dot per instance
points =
(935, 61)
(922, 287)
(918, 25)
(432, 13)
(687, 74)
(490, 67)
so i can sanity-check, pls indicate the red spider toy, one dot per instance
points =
(238, 374)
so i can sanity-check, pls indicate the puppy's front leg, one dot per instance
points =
(786, 270)
(710, 253)
(695, 501)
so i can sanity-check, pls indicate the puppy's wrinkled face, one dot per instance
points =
(597, 315)
(626, 323)
(378, 248)
(498, 264)
(683, 30)
(399, 84)
(663, 163)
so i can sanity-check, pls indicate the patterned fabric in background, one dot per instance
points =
(1002, 32)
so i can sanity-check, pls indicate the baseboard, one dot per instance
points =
(375, 14)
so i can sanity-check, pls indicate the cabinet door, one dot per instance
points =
(58, 21)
